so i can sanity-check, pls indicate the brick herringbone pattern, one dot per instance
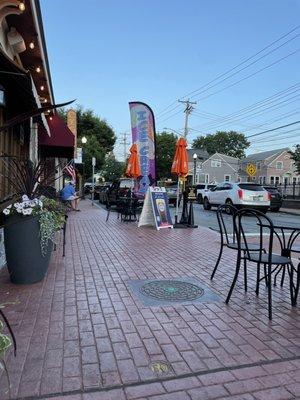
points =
(82, 334)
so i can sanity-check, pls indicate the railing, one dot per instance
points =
(291, 191)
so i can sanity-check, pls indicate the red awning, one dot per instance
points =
(61, 142)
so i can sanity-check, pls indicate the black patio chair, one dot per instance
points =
(261, 257)
(230, 241)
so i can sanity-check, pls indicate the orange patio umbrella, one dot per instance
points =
(133, 169)
(180, 166)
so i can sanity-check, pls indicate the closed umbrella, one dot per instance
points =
(133, 169)
(180, 166)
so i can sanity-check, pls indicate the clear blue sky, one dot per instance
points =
(107, 53)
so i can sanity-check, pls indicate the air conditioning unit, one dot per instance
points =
(16, 41)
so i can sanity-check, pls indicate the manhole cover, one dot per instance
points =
(160, 368)
(172, 290)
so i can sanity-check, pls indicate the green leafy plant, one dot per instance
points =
(5, 342)
(27, 179)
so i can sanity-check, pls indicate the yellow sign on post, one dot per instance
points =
(251, 169)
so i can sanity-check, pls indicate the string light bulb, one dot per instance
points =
(45, 100)
(22, 6)
(50, 118)
(38, 69)
(42, 87)
(32, 45)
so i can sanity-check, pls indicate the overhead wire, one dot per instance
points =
(233, 68)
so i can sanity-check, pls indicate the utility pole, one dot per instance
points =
(124, 142)
(188, 109)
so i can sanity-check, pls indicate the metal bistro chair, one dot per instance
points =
(267, 258)
(226, 240)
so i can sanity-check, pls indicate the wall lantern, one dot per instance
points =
(2, 96)
(22, 6)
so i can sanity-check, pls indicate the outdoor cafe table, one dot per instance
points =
(287, 236)
(127, 207)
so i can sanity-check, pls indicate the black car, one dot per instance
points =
(276, 198)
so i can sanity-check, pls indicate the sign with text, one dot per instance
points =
(143, 135)
(78, 158)
(156, 209)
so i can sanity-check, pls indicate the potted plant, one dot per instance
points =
(5, 344)
(30, 223)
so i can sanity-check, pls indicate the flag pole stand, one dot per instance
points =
(177, 225)
(190, 222)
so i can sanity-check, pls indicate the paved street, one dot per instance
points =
(208, 219)
(90, 330)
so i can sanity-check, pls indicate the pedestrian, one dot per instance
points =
(68, 194)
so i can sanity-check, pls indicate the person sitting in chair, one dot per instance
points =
(68, 194)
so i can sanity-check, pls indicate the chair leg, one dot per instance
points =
(245, 274)
(217, 263)
(266, 275)
(257, 279)
(270, 291)
(277, 273)
(237, 270)
(282, 277)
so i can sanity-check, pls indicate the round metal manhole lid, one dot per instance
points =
(172, 290)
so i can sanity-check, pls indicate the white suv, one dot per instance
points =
(240, 195)
(202, 189)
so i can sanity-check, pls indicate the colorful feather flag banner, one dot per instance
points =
(144, 136)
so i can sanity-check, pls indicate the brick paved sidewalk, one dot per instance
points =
(83, 333)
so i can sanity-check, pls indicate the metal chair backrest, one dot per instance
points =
(225, 224)
(265, 230)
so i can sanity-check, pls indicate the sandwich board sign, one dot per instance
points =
(155, 210)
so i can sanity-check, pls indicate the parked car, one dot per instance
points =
(172, 194)
(276, 197)
(240, 195)
(202, 189)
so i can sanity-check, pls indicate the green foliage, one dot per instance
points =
(112, 169)
(92, 148)
(230, 143)
(51, 217)
(165, 151)
(295, 156)
(100, 138)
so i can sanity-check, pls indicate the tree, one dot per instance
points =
(230, 143)
(112, 168)
(165, 150)
(92, 148)
(100, 137)
(295, 156)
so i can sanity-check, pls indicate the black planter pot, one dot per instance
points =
(25, 261)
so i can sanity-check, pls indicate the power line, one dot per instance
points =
(274, 129)
(233, 68)
(243, 79)
(261, 103)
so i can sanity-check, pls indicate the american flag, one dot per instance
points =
(70, 170)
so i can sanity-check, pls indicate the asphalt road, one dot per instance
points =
(209, 218)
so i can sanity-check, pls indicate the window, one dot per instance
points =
(227, 178)
(279, 165)
(216, 163)
(258, 166)
(206, 178)
(272, 180)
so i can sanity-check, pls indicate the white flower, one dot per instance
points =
(17, 205)
(25, 198)
(19, 210)
(32, 203)
(9, 207)
(6, 211)
(29, 211)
